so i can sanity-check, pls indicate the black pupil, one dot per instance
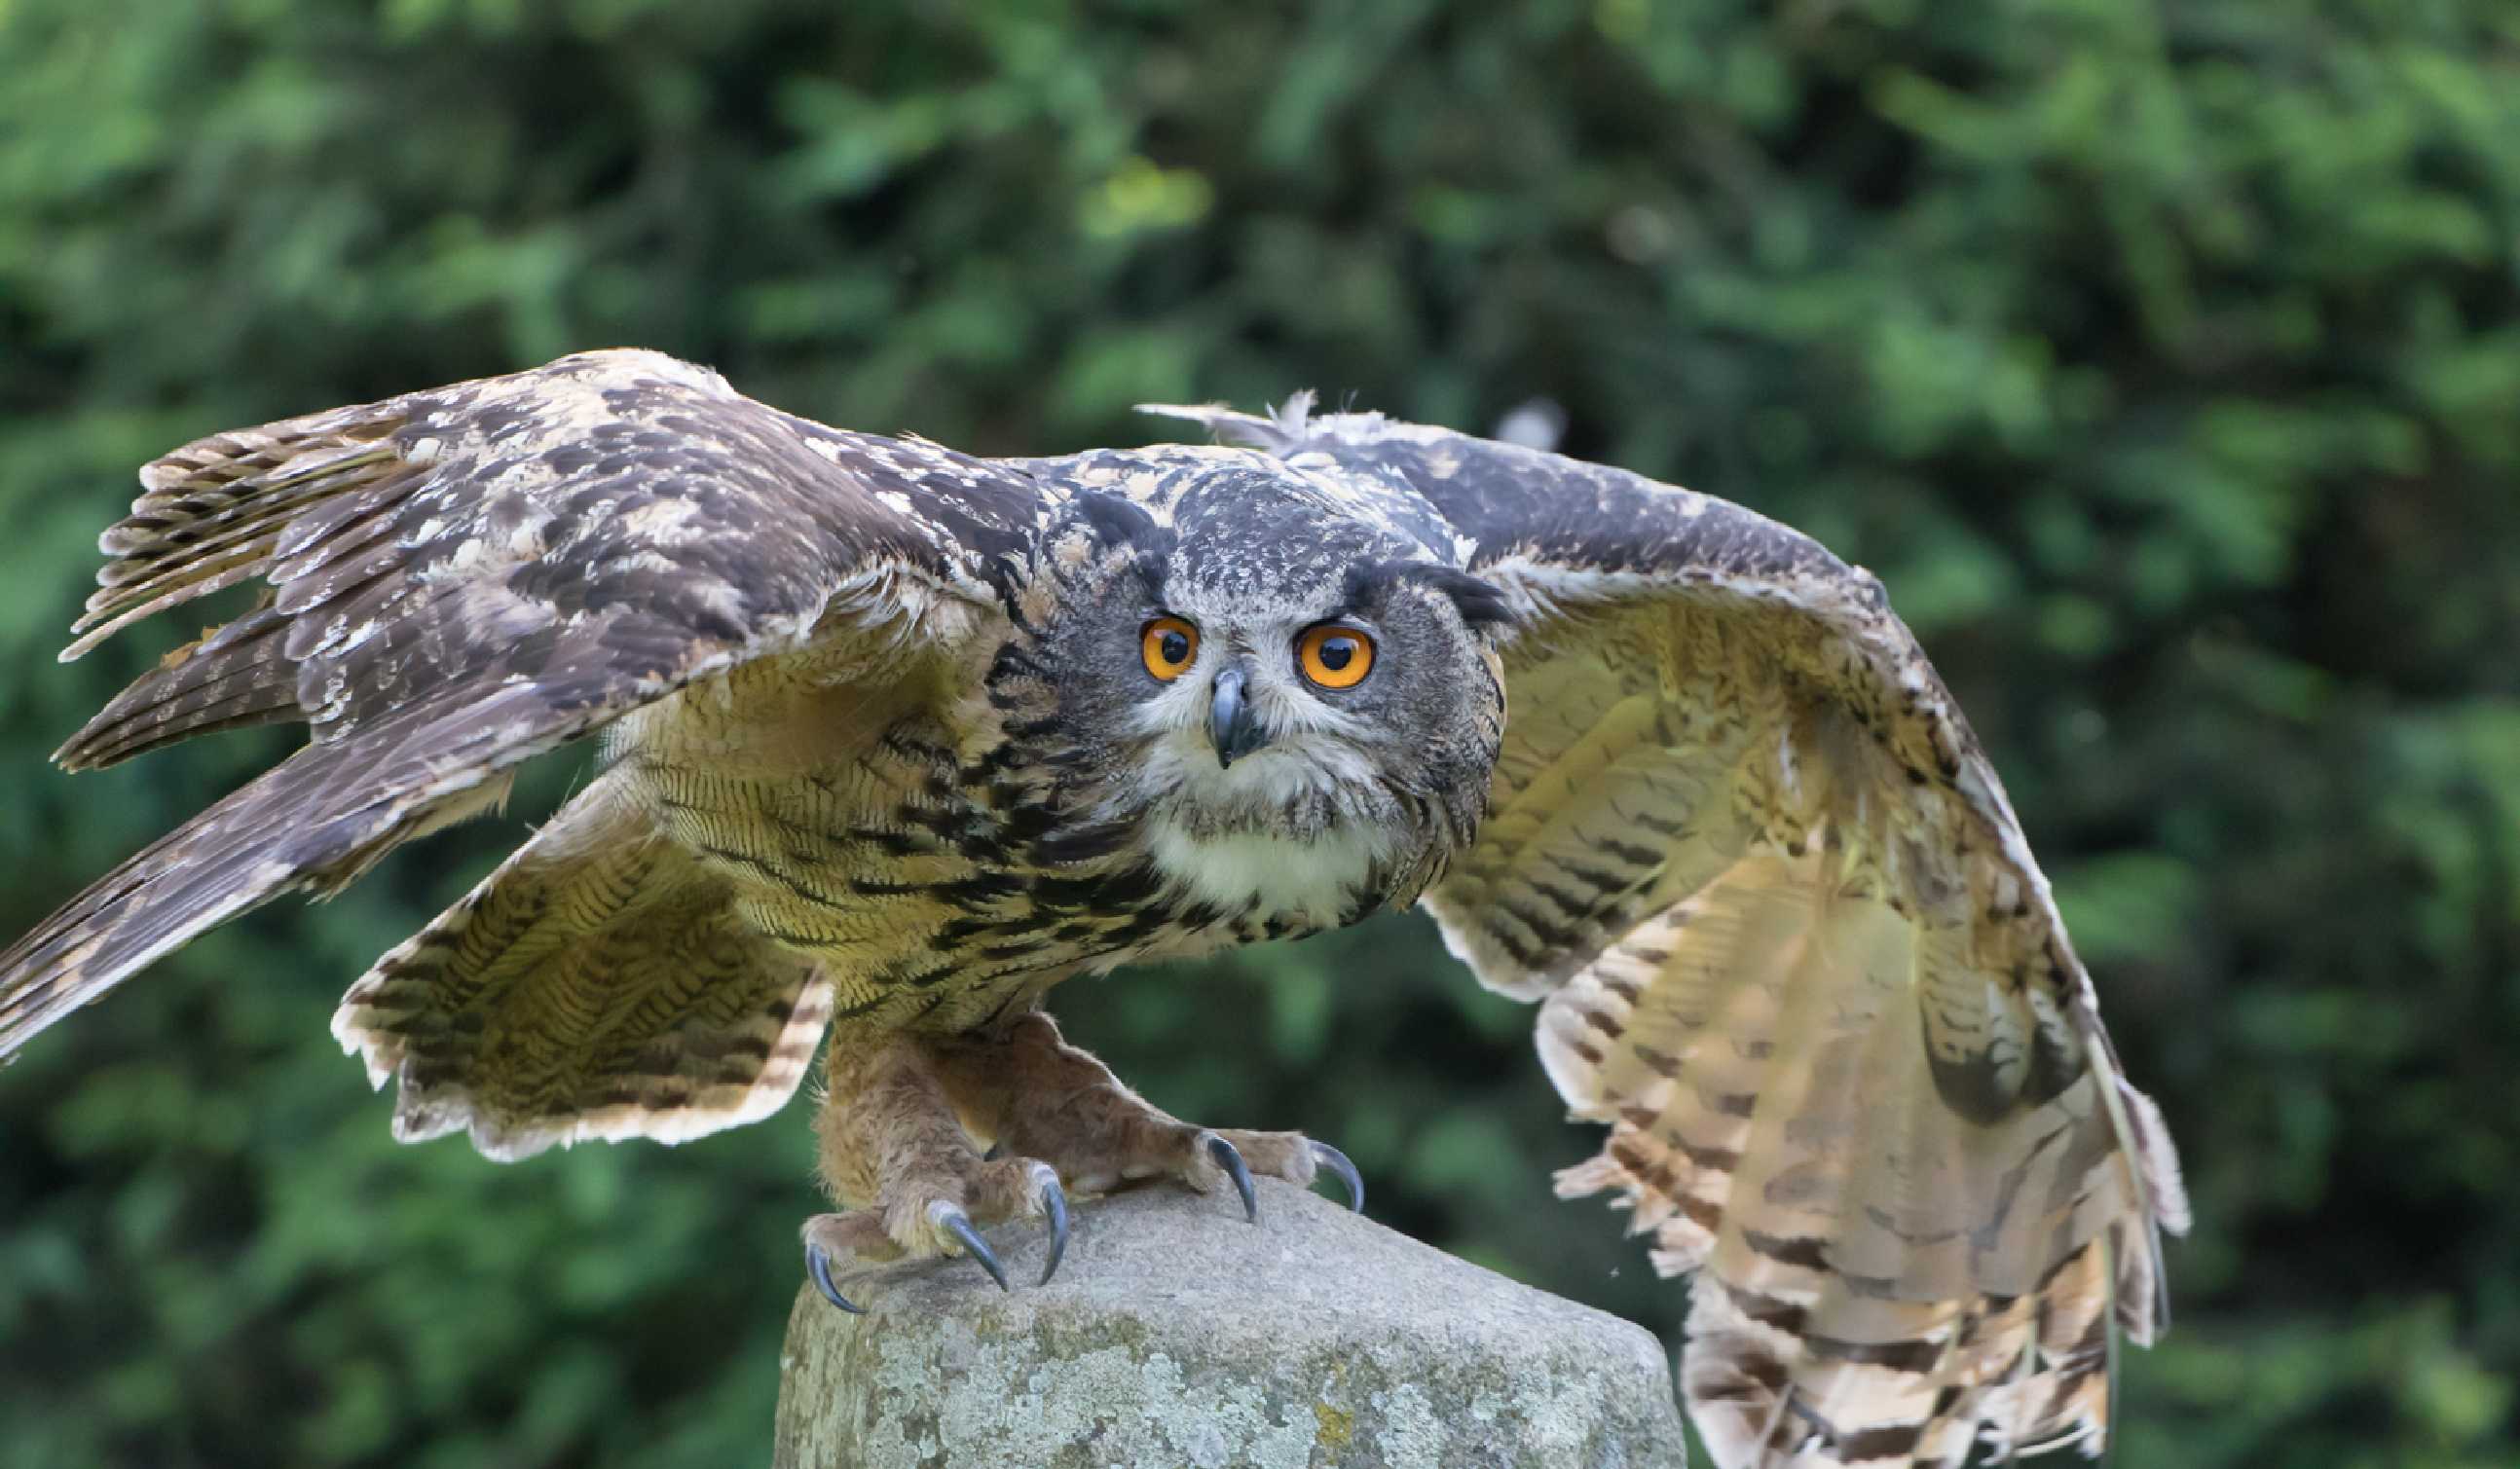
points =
(1176, 648)
(1335, 652)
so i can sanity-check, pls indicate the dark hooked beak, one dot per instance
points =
(1232, 723)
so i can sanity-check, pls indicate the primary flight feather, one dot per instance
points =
(898, 738)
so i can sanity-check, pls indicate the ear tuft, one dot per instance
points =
(1481, 604)
(1123, 524)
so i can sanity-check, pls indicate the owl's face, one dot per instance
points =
(1296, 708)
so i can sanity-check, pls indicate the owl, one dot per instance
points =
(895, 740)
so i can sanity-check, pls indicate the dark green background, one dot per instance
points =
(2160, 354)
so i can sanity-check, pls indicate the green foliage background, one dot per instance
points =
(2161, 356)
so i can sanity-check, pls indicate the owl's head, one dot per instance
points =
(1277, 683)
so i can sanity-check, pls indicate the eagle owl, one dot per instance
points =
(896, 739)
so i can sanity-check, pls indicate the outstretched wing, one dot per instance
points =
(459, 579)
(1791, 946)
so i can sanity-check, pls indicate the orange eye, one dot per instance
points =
(1334, 656)
(1168, 645)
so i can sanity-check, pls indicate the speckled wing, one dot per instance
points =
(1790, 945)
(457, 580)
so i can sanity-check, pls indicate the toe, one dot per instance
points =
(1228, 1157)
(834, 1240)
(958, 1224)
(819, 1265)
(1054, 1203)
(1337, 1164)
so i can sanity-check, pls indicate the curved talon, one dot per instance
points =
(1337, 1163)
(819, 1265)
(1054, 1202)
(1230, 1158)
(959, 1225)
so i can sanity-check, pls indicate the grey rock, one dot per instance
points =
(1178, 1335)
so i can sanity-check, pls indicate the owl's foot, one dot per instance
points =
(894, 1148)
(897, 1126)
(1045, 1098)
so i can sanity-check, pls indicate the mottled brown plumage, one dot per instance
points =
(891, 751)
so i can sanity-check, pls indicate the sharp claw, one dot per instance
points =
(1337, 1163)
(819, 1265)
(1054, 1202)
(1230, 1158)
(959, 1225)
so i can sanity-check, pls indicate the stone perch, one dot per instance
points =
(1177, 1335)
